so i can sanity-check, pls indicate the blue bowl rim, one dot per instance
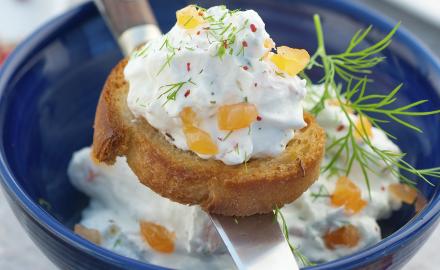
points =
(419, 223)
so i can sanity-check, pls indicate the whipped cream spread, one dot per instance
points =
(119, 201)
(209, 60)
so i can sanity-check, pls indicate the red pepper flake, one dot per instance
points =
(225, 44)
(340, 128)
(188, 67)
(198, 32)
(200, 13)
(259, 118)
(245, 67)
(253, 28)
(382, 188)
(244, 43)
(187, 93)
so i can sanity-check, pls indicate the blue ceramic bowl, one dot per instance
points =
(50, 85)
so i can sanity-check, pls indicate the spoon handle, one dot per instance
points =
(132, 22)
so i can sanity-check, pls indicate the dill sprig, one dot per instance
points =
(170, 55)
(355, 100)
(380, 104)
(356, 146)
(227, 136)
(349, 65)
(142, 52)
(224, 34)
(322, 193)
(172, 90)
(278, 215)
(353, 67)
(241, 51)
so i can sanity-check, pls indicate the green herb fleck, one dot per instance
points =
(241, 51)
(280, 74)
(246, 158)
(45, 204)
(221, 51)
(227, 136)
(322, 193)
(167, 62)
(117, 242)
(143, 52)
(171, 53)
(172, 90)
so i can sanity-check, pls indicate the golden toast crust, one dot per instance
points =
(253, 188)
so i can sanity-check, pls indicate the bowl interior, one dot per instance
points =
(48, 103)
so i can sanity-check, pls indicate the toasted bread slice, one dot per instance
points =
(256, 187)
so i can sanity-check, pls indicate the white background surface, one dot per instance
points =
(427, 9)
(17, 252)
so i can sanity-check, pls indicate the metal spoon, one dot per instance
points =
(255, 242)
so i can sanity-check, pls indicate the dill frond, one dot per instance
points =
(322, 193)
(353, 66)
(170, 55)
(278, 216)
(364, 104)
(171, 90)
(350, 65)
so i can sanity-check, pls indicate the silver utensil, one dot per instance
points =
(132, 22)
(255, 242)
